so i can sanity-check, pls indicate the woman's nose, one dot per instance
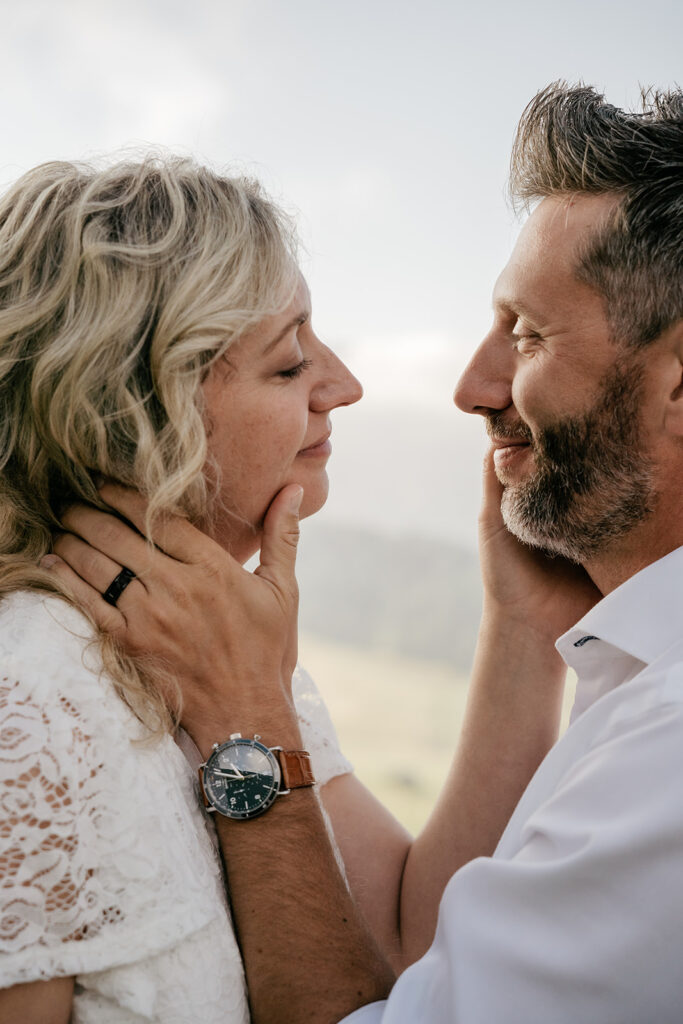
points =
(336, 386)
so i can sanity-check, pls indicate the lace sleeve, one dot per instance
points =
(92, 869)
(317, 730)
(49, 804)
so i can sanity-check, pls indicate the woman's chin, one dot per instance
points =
(314, 498)
(242, 538)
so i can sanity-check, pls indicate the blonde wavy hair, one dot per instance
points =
(119, 286)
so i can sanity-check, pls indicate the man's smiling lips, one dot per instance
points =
(321, 447)
(508, 450)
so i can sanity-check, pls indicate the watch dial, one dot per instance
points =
(242, 778)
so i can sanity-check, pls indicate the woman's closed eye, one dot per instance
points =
(295, 371)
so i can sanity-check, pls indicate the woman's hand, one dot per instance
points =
(544, 593)
(227, 635)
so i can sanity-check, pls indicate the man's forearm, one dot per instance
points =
(309, 956)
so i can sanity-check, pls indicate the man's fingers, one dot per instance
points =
(107, 617)
(93, 566)
(109, 535)
(173, 535)
(281, 536)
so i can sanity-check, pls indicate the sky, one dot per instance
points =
(385, 127)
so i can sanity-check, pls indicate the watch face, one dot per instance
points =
(241, 778)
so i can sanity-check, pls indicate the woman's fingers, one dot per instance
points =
(493, 489)
(107, 617)
(490, 517)
(174, 536)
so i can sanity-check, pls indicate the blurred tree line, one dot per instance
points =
(405, 595)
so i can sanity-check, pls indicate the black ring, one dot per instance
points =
(117, 586)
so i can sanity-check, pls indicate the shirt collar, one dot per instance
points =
(643, 617)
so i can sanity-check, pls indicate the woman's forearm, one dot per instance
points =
(510, 723)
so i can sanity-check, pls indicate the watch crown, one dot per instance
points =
(235, 735)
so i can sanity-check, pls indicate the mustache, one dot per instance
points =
(498, 427)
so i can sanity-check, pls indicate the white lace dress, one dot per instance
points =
(108, 865)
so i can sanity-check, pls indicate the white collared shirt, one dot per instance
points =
(578, 916)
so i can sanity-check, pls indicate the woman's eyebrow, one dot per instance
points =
(296, 321)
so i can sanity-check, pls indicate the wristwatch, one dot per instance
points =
(242, 778)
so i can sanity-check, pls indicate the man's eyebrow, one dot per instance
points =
(515, 308)
(296, 321)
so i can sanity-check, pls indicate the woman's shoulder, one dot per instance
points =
(23, 610)
(52, 685)
(105, 859)
(37, 628)
(317, 729)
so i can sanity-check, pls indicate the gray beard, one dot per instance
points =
(592, 483)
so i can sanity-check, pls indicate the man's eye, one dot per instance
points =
(524, 342)
(295, 371)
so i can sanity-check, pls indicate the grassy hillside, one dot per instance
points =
(398, 719)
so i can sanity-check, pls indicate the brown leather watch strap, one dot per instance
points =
(295, 766)
(205, 799)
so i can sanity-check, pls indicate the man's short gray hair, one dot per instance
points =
(570, 141)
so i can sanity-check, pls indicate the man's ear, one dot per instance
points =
(674, 399)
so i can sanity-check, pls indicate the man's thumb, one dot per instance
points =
(281, 532)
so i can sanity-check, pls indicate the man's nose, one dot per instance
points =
(486, 383)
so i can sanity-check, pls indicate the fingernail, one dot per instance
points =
(47, 561)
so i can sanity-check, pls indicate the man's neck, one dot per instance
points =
(656, 537)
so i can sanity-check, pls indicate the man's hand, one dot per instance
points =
(230, 638)
(540, 592)
(228, 635)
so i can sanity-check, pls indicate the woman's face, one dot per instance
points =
(268, 403)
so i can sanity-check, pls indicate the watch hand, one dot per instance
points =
(228, 775)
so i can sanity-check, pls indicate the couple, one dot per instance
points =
(156, 333)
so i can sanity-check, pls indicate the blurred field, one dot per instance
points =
(397, 718)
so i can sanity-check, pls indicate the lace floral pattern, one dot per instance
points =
(107, 869)
(45, 888)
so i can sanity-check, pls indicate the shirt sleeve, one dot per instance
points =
(317, 731)
(370, 1014)
(585, 922)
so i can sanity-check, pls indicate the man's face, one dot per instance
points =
(564, 405)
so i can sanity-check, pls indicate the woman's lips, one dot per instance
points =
(322, 447)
